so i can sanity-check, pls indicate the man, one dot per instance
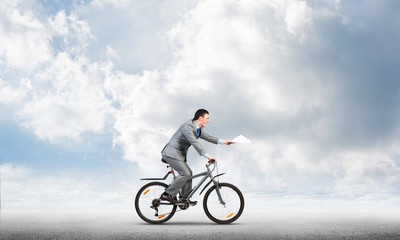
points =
(174, 153)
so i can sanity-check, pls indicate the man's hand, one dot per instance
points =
(228, 142)
(212, 160)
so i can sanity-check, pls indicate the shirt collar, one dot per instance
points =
(197, 126)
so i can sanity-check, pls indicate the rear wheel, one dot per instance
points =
(148, 205)
(223, 213)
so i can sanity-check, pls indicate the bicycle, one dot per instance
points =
(223, 203)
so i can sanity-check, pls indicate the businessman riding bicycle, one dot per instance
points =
(175, 152)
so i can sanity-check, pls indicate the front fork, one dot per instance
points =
(217, 188)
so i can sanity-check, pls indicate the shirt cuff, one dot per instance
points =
(221, 141)
(206, 155)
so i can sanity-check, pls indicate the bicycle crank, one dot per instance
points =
(183, 204)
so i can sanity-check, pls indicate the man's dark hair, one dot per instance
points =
(200, 113)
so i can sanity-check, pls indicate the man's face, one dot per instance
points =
(204, 120)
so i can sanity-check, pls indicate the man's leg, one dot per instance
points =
(183, 180)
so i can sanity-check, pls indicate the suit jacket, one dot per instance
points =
(185, 137)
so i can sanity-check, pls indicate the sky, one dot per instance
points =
(91, 91)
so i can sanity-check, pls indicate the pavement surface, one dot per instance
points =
(194, 224)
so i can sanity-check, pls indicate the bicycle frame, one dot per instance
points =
(206, 174)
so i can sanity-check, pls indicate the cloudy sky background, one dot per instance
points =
(90, 92)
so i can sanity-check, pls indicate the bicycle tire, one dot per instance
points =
(219, 213)
(142, 201)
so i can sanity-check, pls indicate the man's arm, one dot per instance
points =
(208, 137)
(211, 139)
(219, 141)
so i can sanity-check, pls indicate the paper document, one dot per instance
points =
(241, 139)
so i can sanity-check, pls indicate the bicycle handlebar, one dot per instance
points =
(209, 163)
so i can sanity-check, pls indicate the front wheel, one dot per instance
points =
(223, 213)
(148, 205)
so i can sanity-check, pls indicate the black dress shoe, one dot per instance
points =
(169, 198)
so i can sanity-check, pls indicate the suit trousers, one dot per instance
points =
(183, 180)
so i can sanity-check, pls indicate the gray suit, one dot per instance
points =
(175, 154)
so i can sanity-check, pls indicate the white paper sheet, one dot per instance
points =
(241, 139)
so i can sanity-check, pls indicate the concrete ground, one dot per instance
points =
(194, 224)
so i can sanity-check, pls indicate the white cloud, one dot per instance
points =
(74, 33)
(24, 40)
(111, 53)
(369, 172)
(297, 17)
(141, 107)
(117, 3)
(10, 95)
(62, 97)
(59, 23)
(67, 100)
(233, 45)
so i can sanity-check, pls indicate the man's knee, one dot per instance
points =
(187, 174)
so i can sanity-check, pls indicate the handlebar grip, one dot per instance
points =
(211, 161)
